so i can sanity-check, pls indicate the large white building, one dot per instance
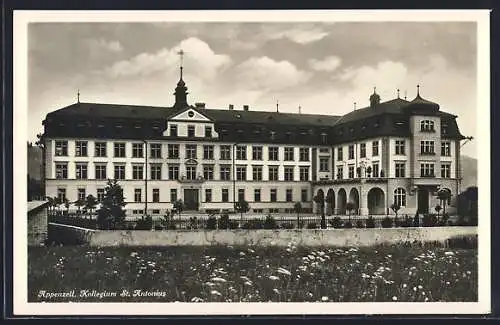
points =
(396, 151)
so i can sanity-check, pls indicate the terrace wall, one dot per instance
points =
(306, 237)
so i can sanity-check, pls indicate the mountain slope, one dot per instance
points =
(469, 171)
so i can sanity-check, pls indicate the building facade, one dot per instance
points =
(396, 151)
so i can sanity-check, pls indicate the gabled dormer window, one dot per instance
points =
(173, 130)
(324, 138)
(272, 135)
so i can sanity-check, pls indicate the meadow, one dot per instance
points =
(409, 273)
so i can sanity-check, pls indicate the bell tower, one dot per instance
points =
(181, 89)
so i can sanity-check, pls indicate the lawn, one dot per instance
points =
(256, 274)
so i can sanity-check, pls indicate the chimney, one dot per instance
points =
(199, 105)
(231, 107)
(245, 107)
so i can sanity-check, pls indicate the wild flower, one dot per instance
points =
(324, 298)
(218, 279)
(276, 291)
(284, 271)
(274, 278)
(215, 293)
(394, 298)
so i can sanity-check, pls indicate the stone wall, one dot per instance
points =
(307, 237)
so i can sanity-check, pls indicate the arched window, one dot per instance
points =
(400, 197)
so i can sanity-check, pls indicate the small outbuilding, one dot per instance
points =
(37, 222)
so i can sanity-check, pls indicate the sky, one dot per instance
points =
(323, 67)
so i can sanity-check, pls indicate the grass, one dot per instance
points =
(242, 274)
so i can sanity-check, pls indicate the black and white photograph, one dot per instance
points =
(319, 162)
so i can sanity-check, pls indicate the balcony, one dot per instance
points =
(184, 180)
(428, 179)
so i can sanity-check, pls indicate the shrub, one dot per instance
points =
(287, 225)
(312, 225)
(406, 222)
(370, 222)
(145, 223)
(233, 224)
(159, 227)
(336, 222)
(193, 223)
(348, 224)
(270, 223)
(253, 224)
(211, 223)
(224, 221)
(416, 221)
(359, 224)
(387, 222)
(429, 220)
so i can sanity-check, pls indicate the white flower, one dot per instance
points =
(248, 283)
(404, 285)
(274, 278)
(324, 298)
(217, 279)
(276, 291)
(215, 292)
(394, 298)
(284, 271)
(420, 287)
(449, 253)
(242, 254)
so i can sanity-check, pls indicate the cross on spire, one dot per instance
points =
(418, 90)
(277, 106)
(78, 96)
(181, 54)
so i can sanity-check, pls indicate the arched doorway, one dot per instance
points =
(376, 201)
(423, 200)
(354, 199)
(330, 202)
(341, 201)
(319, 201)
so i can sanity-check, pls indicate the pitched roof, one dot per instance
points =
(391, 107)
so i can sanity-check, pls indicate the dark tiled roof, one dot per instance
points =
(390, 107)
(112, 111)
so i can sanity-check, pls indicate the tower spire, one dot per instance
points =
(277, 106)
(418, 90)
(181, 89)
(78, 96)
(300, 110)
(398, 92)
(181, 54)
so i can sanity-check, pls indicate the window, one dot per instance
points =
(100, 149)
(375, 170)
(191, 130)
(445, 170)
(257, 153)
(156, 211)
(324, 165)
(208, 131)
(288, 173)
(427, 147)
(137, 172)
(351, 152)
(61, 170)
(208, 152)
(190, 151)
(173, 172)
(61, 194)
(304, 154)
(119, 171)
(100, 171)
(156, 195)
(273, 173)
(225, 152)
(137, 150)
(273, 194)
(137, 195)
(273, 153)
(241, 194)
(241, 152)
(155, 150)
(400, 197)
(400, 169)
(351, 171)
(324, 138)
(340, 172)
(61, 148)
(173, 151)
(427, 126)
(81, 194)
(208, 195)
(289, 195)
(362, 150)
(304, 195)
(191, 172)
(225, 173)
(173, 130)
(274, 210)
(208, 172)
(289, 153)
(119, 149)
(375, 148)
(241, 173)
(81, 171)
(225, 195)
(272, 135)
(173, 195)
(400, 147)
(340, 154)
(81, 148)
(257, 173)
(446, 148)
(155, 171)
(304, 174)
(256, 195)
(427, 170)
(100, 194)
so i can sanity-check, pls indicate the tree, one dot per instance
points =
(241, 207)
(90, 203)
(349, 207)
(438, 208)
(79, 204)
(395, 207)
(51, 203)
(320, 200)
(178, 207)
(472, 195)
(443, 196)
(298, 209)
(111, 214)
(66, 205)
